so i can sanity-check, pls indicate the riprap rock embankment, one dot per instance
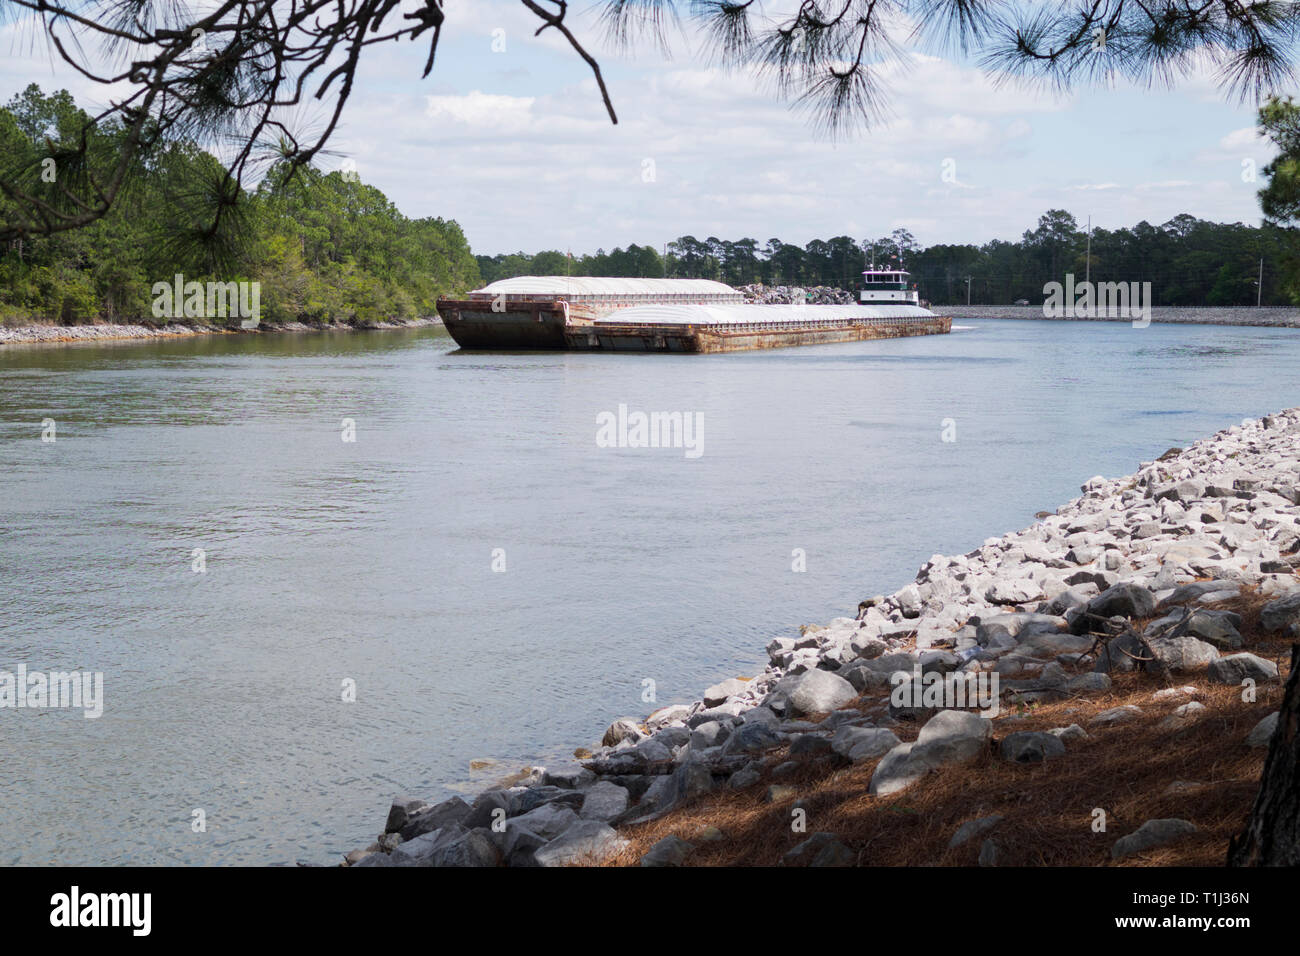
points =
(1137, 577)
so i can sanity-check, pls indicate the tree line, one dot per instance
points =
(325, 247)
(1188, 261)
(329, 248)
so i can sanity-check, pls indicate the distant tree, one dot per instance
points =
(742, 262)
(767, 263)
(648, 261)
(904, 243)
(1181, 226)
(819, 266)
(787, 263)
(549, 263)
(1055, 240)
(892, 251)
(846, 262)
(942, 271)
(691, 257)
(1229, 287)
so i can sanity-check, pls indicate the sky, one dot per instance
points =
(509, 137)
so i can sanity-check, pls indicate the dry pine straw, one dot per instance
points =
(1047, 808)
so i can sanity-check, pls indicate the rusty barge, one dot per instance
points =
(661, 315)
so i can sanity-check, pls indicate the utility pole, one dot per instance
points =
(1259, 291)
(1087, 268)
(968, 278)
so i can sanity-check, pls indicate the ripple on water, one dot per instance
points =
(371, 561)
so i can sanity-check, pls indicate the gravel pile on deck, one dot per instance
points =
(786, 295)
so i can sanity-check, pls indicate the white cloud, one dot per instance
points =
(482, 110)
(1247, 138)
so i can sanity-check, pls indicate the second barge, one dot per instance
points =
(663, 315)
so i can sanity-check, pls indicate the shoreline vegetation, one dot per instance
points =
(1138, 640)
(321, 249)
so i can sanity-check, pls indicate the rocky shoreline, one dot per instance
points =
(65, 334)
(1269, 316)
(1133, 583)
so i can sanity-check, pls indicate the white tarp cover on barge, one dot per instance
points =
(754, 314)
(578, 288)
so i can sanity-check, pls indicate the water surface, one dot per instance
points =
(371, 561)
